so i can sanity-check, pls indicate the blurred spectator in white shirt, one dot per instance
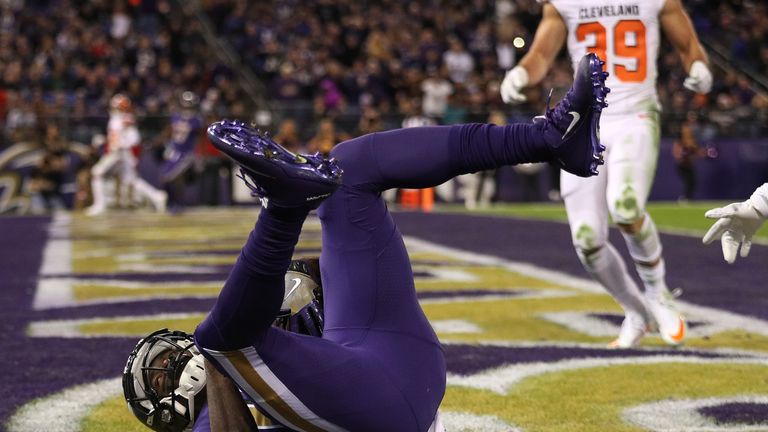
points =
(458, 61)
(436, 91)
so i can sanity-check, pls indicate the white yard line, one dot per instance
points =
(71, 328)
(63, 411)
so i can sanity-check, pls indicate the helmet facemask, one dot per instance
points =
(163, 381)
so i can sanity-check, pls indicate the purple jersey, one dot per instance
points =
(179, 155)
(185, 131)
(203, 422)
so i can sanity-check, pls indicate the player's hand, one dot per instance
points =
(699, 78)
(512, 86)
(737, 223)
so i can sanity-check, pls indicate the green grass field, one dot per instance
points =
(669, 216)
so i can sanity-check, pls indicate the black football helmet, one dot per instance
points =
(163, 381)
(302, 309)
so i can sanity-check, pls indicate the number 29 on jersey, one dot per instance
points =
(628, 43)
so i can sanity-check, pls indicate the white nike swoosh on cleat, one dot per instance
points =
(296, 283)
(575, 119)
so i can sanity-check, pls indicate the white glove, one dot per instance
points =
(738, 223)
(699, 78)
(514, 82)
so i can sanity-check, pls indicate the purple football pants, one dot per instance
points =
(379, 365)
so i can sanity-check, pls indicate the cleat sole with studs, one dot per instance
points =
(271, 171)
(599, 92)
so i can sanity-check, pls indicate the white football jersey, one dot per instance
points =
(625, 34)
(122, 132)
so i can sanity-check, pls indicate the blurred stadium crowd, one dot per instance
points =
(316, 72)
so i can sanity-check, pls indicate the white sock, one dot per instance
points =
(607, 267)
(645, 247)
(146, 190)
(97, 190)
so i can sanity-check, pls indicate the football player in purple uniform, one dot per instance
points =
(185, 129)
(378, 365)
(168, 361)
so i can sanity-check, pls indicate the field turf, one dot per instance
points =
(524, 328)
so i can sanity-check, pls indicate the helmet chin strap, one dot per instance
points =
(192, 381)
(175, 405)
(192, 411)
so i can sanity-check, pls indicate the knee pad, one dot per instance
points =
(586, 237)
(627, 208)
(588, 241)
(355, 156)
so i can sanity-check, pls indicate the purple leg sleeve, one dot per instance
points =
(361, 245)
(253, 293)
(428, 156)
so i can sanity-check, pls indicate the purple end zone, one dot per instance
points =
(21, 255)
(737, 414)
(699, 270)
(34, 368)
